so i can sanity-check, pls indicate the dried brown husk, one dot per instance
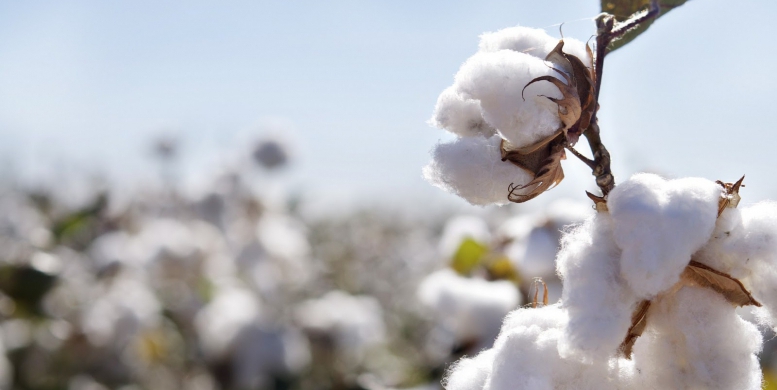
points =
(700, 275)
(730, 197)
(547, 176)
(577, 104)
(638, 325)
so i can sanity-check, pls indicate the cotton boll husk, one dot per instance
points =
(753, 246)
(472, 168)
(470, 373)
(497, 80)
(527, 356)
(459, 115)
(695, 340)
(533, 41)
(659, 224)
(472, 309)
(459, 228)
(597, 299)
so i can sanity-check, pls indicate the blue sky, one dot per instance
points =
(85, 85)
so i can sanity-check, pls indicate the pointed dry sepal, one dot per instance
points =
(578, 103)
(700, 275)
(546, 177)
(638, 324)
(600, 203)
(535, 302)
(729, 198)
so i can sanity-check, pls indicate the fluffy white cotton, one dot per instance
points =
(497, 80)
(659, 224)
(471, 309)
(470, 373)
(460, 115)
(472, 168)
(695, 340)
(355, 323)
(531, 41)
(598, 301)
(745, 246)
(220, 322)
(527, 356)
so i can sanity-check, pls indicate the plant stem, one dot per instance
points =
(607, 31)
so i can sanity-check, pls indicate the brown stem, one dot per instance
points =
(608, 30)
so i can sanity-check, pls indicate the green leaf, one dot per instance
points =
(623, 9)
(469, 255)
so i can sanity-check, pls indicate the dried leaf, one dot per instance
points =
(549, 174)
(569, 108)
(638, 324)
(730, 197)
(698, 274)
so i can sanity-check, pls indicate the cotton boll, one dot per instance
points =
(527, 356)
(459, 228)
(220, 322)
(459, 115)
(497, 80)
(597, 299)
(470, 373)
(695, 340)
(472, 168)
(533, 41)
(659, 224)
(471, 309)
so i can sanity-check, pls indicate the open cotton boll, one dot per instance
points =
(597, 299)
(533, 41)
(695, 340)
(470, 373)
(459, 115)
(497, 80)
(220, 322)
(472, 309)
(659, 224)
(526, 356)
(472, 168)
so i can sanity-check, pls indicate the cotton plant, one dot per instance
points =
(652, 281)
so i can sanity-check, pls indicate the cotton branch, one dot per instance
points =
(608, 31)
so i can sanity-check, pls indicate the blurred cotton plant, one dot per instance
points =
(650, 282)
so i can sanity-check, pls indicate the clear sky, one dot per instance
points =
(84, 85)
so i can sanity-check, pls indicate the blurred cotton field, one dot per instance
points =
(233, 287)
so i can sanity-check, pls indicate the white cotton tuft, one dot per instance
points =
(497, 80)
(459, 115)
(472, 168)
(469, 308)
(597, 299)
(533, 41)
(659, 224)
(695, 340)
(470, 373)
(527, 356)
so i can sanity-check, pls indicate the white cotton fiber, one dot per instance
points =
(659, 224)
(470, 373)
(598, 301)
(471, 309)
(497, 80)
(472, 169)
(527, 356)
(459, 115)
(533, 41)
(695, 340)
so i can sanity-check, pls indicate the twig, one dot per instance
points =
(606, 31)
